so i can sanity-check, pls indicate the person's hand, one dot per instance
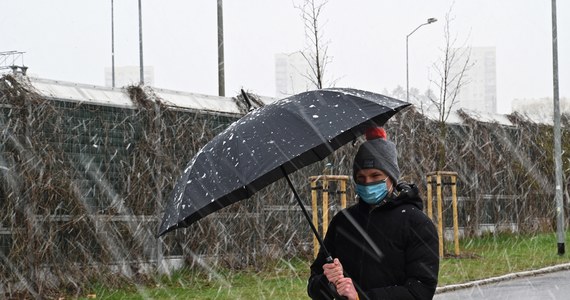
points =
(345, 287)
(333, 271)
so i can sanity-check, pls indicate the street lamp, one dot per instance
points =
(141, 64)
(112, 45)
(557, 139)
(429, 21)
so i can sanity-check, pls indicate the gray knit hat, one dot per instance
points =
(377, 153)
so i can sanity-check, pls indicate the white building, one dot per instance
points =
(480, 89)
(129, 75)
(542, 109)
(291, 74)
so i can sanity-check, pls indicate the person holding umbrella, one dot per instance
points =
(384, 246)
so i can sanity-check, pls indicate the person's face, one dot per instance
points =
(366, 176)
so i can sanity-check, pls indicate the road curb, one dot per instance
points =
(510, 276)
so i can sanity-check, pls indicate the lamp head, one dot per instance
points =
(431, 20)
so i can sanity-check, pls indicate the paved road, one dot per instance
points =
(540, 287)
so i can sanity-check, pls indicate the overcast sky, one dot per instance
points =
(70, 40)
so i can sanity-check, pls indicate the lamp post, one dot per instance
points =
(429, 21)
(221, 72)
(141, 65)
(557, 140)
(112, 45)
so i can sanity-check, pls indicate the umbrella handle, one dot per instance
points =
(328, 256)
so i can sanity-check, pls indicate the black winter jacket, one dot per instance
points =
(389, 252)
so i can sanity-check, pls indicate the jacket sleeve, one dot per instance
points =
(422, 265)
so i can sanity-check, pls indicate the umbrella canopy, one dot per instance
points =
(269, 143)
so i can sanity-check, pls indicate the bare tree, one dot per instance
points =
(316, 51)
(451, 72)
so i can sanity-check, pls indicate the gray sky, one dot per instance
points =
(70, 40)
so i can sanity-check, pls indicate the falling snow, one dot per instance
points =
(98, 202)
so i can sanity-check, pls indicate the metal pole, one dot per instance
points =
(221, 76)
(306, 214)
(429, 21)
(112, 45)
(560, 232)
(141, 65)
(407, 72)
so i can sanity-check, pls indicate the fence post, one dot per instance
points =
(325, 201)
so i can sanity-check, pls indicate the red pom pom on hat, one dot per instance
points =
(373, 133)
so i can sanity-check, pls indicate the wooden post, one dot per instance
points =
(440, 221)
(439, 214)
(455, 216)
(343, 194)
(325, 205)
(325, 202)
(429, 197)
(315, 210)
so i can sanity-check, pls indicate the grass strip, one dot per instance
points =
(481, 257)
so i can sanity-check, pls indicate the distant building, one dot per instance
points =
(480, 90)
(291, 74)
(540, 108)
(129, 75)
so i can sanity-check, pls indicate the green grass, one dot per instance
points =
(483, 257)
(282, 280)
(502, 254)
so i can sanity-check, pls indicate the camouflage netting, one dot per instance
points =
(83, 187)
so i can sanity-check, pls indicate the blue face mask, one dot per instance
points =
(372, 193)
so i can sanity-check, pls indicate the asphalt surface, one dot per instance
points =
(554, 285)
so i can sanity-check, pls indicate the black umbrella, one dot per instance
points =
(268, 144)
